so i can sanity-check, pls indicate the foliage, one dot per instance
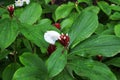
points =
(93, 29)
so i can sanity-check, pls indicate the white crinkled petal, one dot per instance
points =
(51, 36)
(19, 3)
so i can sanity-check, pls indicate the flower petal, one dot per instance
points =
(51, 36)
(19, 3)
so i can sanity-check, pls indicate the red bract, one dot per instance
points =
(57, 25)
(51, 49)
(64, 39)
(10, 8)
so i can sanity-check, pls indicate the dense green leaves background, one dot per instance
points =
(92, 54)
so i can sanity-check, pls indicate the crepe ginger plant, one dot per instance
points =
(59, 40)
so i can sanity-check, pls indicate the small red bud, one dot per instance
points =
(64, 39)
(10, 9)
(57, 25)
(51, 49)
(99, 57)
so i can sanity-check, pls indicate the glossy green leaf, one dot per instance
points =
(56, 62)
(66, 24)
(115, 7)
(64, 75)
(91, 69)
(31, 14)
(117, 30)
(9, 71)
(105, 45)
(86, 1)
(27, 60)
(115, 62)
(45, 21)
(101, 28)
(94, 9)
(34, 69)
(27, 44)
(36, 33)
(115, 1)
(29, 73)
(104, 7)
(63, 10)
(8, 32)
(47, 1)
(33, 33)
(83, 27)
(115, 16)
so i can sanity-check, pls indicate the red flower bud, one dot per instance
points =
(57, 25)
(51, 49)
(10, 8)
(64, 39)
(99, 57)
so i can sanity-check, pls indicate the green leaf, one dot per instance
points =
(27, 60)
(105, 45)
(115, 7)
(27, 44)
(91, 69)
(86, 1)
(56, 62)
(31, 14)
(34, 69)
(63, 10)
(115, 1)
(3, 54)
(9, 71)
(45, 21)
(117, 30)
(115, 16)
(100, 29)
(8, 32)
(64, 75)
(47, 1)
(94, 9)
(83, 27)
(66, 24)
(104, 7)
(36, 33)
(115, 61)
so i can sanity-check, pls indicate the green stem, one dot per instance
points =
(76, 7)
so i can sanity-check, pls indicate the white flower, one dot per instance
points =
(51, 36)
(19, 3)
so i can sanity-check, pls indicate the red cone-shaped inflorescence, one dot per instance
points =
(64, 39)
(57, 25)
(51, 49)
(10, 9)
